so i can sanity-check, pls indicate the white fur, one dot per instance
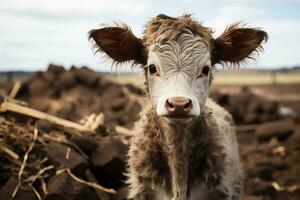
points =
(179, 63)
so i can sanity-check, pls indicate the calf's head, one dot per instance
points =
(178, 55)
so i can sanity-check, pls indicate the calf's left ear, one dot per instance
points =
(237, 43)
(119, 44)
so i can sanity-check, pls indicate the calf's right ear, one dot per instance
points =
(120, 44)
(237, 43)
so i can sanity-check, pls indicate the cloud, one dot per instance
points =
(76, 6)
(256, 2)
(281, 50)
(232, 13)
(34, 32)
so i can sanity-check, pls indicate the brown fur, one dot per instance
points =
(235, 45)
(195, 161)
(178, 158)
(119, 44)
(238, 42)
(163, 28)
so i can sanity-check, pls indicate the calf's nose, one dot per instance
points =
(178, 106)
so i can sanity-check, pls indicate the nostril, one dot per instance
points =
(178, 105)
(169, 104)
(188, 105)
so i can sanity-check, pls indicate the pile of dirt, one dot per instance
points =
(61, 163)
(42, 161)
(270, 155)
(78, 92)
(269, 139)
(248, 108)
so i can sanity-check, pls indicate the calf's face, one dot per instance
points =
(178, 74)
(178, 71)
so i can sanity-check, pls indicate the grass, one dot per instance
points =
(256, 78)
(135, 79)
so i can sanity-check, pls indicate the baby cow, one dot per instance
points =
(184, 147)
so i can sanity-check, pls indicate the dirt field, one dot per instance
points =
(230, 77)
(268, 131)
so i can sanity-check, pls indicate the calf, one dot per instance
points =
(184, 147)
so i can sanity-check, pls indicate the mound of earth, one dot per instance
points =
(40, 160)
(78, 92)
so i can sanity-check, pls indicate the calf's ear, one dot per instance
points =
(237, 43)
(119, 43)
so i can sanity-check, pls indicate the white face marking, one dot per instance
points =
(179, 64)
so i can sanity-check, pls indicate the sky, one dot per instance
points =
(34, 33)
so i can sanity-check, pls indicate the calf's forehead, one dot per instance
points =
(187, 53)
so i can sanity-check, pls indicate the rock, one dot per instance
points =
(118, 104)
(246, 107)
(44, 125)
(37, 87)
(121, 194)
(55, 69)
(293, 143)
(86, 76)
(49, 78)
(56, 154)
(134, 89)
(63, 187)
(280, 129)
(265, 172)
(2, 98)
(8, 189)
(87, 143)
(264, 188)
(103, 84)
(109, 161)
(65, 81)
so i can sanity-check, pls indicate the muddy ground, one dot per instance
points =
(268, 131)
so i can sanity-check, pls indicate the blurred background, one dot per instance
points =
(48, 70)
(34, 33)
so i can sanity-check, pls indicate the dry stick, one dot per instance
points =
(245, 128)
(99, 120)
(9, 152)
(15, 90)
(101, 194)
(35, 134)
(37, 194)
(291, 188)
(44, 186)
(132, 96)
(90, 184)
(68, 153)
(13, 107)
(124, 131)
(93, 121)
(40, 172)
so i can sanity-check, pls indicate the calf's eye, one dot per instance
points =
(205, 70)
(152, 69)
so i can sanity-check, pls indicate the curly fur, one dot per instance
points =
(251, 47)
(161, 29)
(178, 159)
(119, 44)
(164, 28)
(198, 160)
